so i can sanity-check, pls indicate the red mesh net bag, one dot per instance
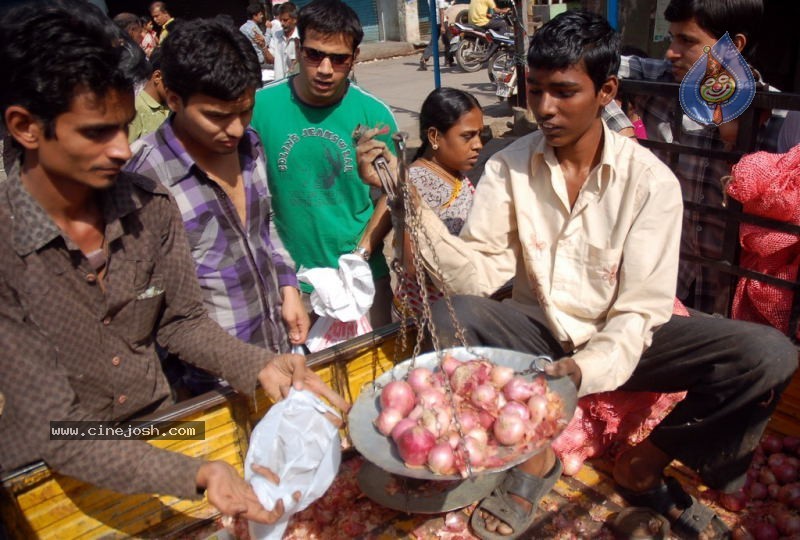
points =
(767, 185)
(610, 420)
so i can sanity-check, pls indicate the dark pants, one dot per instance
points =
(498, 24)
(733, 372)
(428, 52)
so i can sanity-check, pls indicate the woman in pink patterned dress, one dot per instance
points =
(451, 122)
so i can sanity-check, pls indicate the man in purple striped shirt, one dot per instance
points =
(214, 166)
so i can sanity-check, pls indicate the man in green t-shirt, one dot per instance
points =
(322, 208)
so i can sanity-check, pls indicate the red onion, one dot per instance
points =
(515, 407)
(789, 493)
(791, 444)
(401, 427)
(431, 398)
(420, 378)
(441, 459)
(766, 476)
(476, 451)
(479, 434)
(771, 444)
(484, 396)
(509, 429)
(455, 522)
(486, 419)
(518, 389)
(537, 406)
(468, 419)
(572, 463)
(788, 523)
(387, 420)
(449, 364)
(763, 530)
(776, 460)
(757, 491)
(437, 421)
(453, 439)
(734, 502)
(785, 474)
(501, 375)
(398, 395)
(414, 444)
(773, 490)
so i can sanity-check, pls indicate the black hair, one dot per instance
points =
(206, 56)
(50, 51)
(441, 110)
(575, 36)
(162, 7)
(254, 9)
(719, 16)
(287, 8)
(155, 59)
(126, 20)
(330, 17)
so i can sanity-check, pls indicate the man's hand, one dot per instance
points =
(565, 367)
(367, 150)
(294, 315)
(231, 495)
(259, 39)
(285, 371)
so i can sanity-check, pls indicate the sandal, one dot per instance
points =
(695, 518)
(503, 507)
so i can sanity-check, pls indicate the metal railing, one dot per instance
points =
(732, 214)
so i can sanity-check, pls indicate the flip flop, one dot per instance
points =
(695, 516)
(503, 507)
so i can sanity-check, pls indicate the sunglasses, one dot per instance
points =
(315, 57)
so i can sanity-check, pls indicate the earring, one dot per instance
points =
(435, 146)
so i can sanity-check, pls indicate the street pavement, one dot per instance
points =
(399, 83)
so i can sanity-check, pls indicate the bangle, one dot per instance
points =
(362, 252)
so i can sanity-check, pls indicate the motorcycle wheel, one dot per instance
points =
(468, 56)
(501, 62)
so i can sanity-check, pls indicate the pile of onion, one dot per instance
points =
(498, 413)
(769, 503)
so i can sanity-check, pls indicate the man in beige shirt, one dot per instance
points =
(588, 224)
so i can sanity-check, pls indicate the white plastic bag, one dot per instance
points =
(341, 298)
(302, 447)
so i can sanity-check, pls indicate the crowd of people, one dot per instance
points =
(146, 230)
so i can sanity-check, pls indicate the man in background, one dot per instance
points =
(151, 102)
(285, 42)
(161, 16)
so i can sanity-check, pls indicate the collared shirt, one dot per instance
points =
(149, 115)
(284, 50)
(74, 348)
(700, 178)
(600, 275)
(239, 265)
(250, 29)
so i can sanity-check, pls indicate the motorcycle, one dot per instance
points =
(476, 45)
(502, 68)
(503, 73)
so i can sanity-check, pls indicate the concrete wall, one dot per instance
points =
(408, 21)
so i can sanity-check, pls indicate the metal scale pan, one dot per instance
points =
(380, 450)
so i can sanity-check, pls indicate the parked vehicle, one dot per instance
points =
(476, 45)
(503, 73)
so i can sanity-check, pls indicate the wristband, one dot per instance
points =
(362, 252)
